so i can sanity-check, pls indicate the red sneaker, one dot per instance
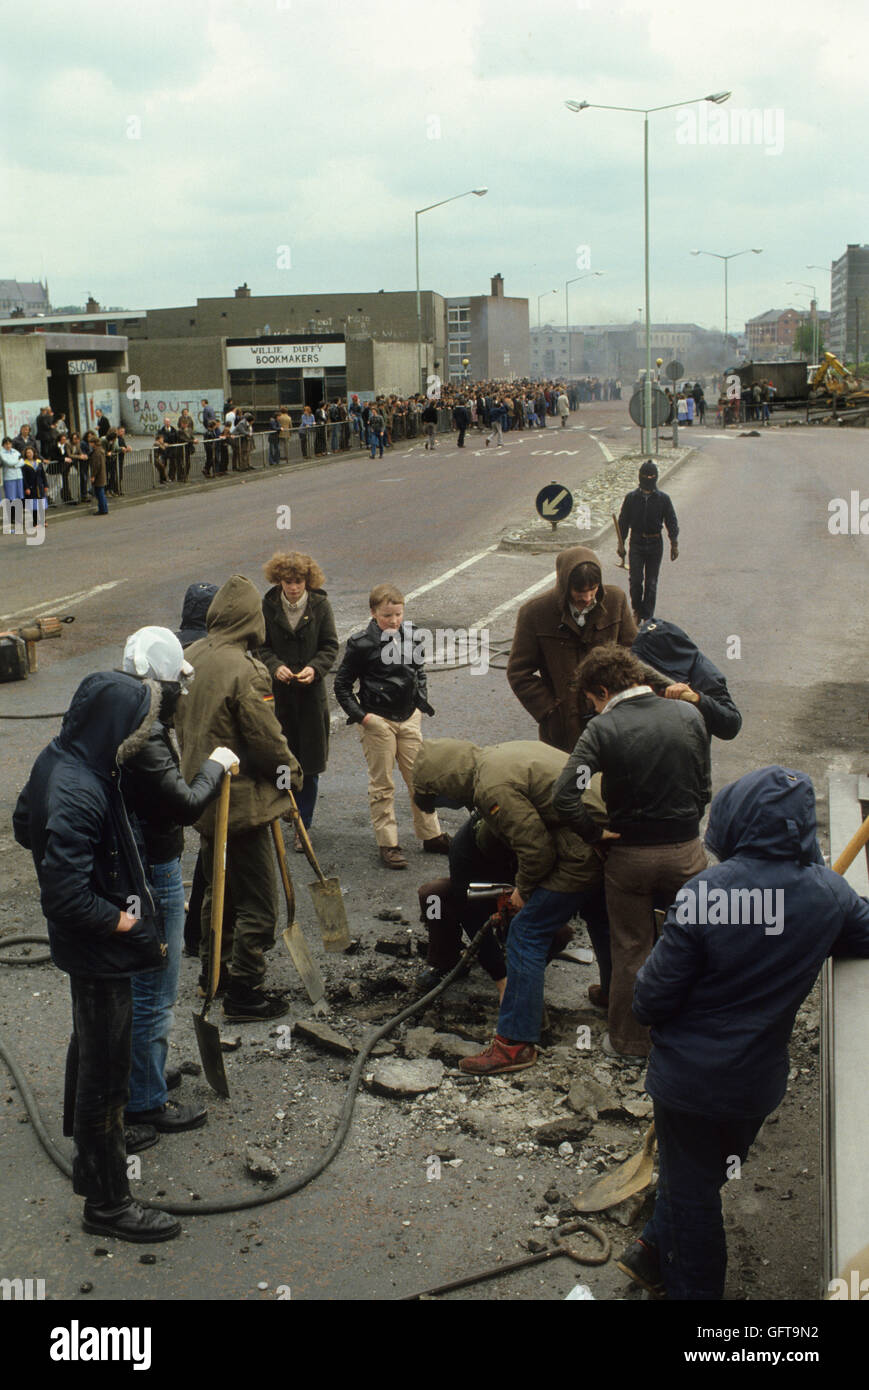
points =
(501, 1056)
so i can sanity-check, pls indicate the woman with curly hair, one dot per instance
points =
(300, 650)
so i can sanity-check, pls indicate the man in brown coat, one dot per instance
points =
(232, 692)
(555, 632)
(97, 466)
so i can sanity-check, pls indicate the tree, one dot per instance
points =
(804, 341)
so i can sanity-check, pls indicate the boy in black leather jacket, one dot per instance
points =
(392, 697)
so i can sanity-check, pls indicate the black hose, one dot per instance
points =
(25, 960)
(285, 1189)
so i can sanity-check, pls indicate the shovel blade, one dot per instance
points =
(622, 1182)
(208, 1040)
(304, 962)
(331, 914)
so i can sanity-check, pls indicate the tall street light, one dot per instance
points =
(646, 112)
(814, 311)
(567, 284)
(539, 297)
(750, 251)
(478, 193)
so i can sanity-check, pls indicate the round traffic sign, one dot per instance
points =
(554, 502)
(660, 407)
(674, 370)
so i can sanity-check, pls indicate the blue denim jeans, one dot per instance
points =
(696, 1156)
(531, 932)
(102, 504)
(376, 442)
(154, 993)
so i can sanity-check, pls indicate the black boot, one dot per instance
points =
(128, 1220)
(243, 1003)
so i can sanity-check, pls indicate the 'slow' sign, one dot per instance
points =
(80, 366)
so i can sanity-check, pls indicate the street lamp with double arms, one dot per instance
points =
(749, 251)
(478, 193)
(814, 311)
(567, 285)
(646, 112)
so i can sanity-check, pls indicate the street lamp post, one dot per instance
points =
(646, 112)
(478, 193)
(567, 284)
(539, 297)
(814, 313)
(750, 250)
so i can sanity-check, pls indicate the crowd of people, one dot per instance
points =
(58, 466)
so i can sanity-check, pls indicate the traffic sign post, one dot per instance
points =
(554, 502)
(674, 370)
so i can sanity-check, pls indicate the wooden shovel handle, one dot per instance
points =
(305, 839)
(289, 891)
(852, 849)
(218, 881)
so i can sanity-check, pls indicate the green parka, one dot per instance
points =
(230, 704)
(510, 785)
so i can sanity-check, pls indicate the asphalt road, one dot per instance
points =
(757, 563)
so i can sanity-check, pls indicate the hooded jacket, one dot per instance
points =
(665, 650)
(71, 816)
(548, 645)
(197, 602)
(721, 995)
(510, 786)
(230, 704)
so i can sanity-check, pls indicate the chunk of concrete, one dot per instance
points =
(569, 1130)
(418, 1042)
(589, 1097)
(399, 1077)
(450, 1048)
(260, 1165)
(321, 1035)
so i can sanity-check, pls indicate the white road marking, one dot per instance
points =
(448, 574)
(514, 602)
(604, 450)
(64, 601)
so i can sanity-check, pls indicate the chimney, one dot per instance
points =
(243, 292)
(92, 307)
(498, 286)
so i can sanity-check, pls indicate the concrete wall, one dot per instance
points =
(23, 381)
(499, 326)
(160, 360)
(395, 368)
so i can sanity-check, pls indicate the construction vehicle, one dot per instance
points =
(842, 397)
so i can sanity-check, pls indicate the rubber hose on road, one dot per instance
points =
(20, 941)
(285, 1189)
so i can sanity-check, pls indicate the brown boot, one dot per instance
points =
(438, 844)
(502, 1056)
(392, 857)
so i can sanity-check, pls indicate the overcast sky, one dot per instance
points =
(155, 152)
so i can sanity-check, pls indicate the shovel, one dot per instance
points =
(293, 936)
(328, 899)
(207, 1034)
(621, 1182)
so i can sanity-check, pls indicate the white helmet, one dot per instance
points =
(155, 653)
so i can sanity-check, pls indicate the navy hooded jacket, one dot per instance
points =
(667, 649)
(721, 988)
(71, 816)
